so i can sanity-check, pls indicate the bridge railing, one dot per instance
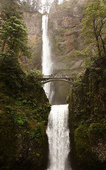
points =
(59, 77)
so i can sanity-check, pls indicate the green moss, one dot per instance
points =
(87, 114)
(23, 121)
(82, 144)
(96, 132)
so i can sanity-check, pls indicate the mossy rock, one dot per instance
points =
(23, 122)
(96, 132)
(82, 145)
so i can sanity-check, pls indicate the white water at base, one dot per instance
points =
(58, 137)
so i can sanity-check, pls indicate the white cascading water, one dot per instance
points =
(60, 1)
(57, 130)
(46, 54)
(58, 137)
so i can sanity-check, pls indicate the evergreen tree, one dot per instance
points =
(14, 36)
(13, 31)
(11, 8)
(94, 28)
(13, 39)
(11, 73)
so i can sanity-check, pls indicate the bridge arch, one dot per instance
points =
(50, 80)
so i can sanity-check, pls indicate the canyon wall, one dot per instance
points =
(65, 24)
(33, 23)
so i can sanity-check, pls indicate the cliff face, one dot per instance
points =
(33, 23)
(65, 33)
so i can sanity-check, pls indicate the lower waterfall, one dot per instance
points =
(58, 137)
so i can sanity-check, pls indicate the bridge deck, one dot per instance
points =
(56, 78)
(49, 79)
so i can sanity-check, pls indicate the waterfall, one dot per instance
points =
(58, 136)
(46, 54)
(60, 1)
(57, 130)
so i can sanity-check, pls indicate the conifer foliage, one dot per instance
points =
(94, 28)
(94, 32)
(13, 39)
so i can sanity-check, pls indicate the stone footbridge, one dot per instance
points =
(50, 79)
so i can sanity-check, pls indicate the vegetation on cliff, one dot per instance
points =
(23, 120)
(88, 94)
(24, 106)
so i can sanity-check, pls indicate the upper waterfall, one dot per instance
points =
(46, 51)
(46, 56)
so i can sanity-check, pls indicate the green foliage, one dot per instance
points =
(94, 31)
(13, 39)
(87, 112)
(10, 70)
(14, 36)
(33, 76)
(96, 133)
(83, 149)
(94, 26)
(13, 33)
(10, 8)
(7, 142)
(19, 119)
(23, 121)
